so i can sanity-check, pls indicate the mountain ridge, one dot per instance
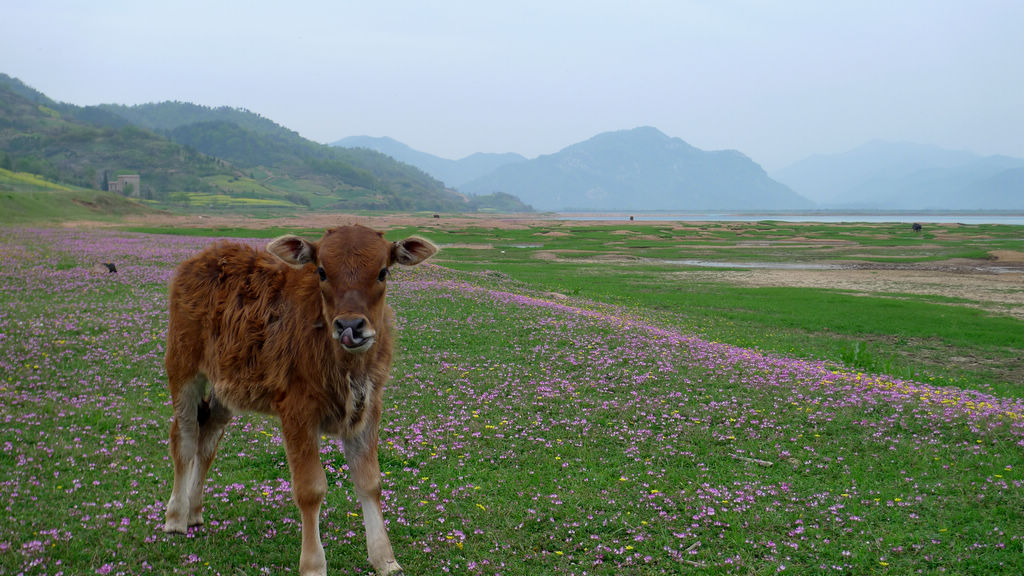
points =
(179, 146)
(639, 169)
(454, 173)
(908, 176)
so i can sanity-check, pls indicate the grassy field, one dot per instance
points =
(524, 433)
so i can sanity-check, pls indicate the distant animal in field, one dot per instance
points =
(300, 330)
(110, 267)
(916, 227)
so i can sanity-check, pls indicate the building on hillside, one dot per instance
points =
(125, 185)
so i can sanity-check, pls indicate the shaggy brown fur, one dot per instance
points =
(301, 331)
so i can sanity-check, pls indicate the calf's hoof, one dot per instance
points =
(390, 568)
(314, 567)
(175, 527)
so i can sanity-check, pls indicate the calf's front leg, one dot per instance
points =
(361, 455)
(309, 485)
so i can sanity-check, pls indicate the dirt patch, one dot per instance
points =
(469, 246)
(556, 255)
(1007, 256)
(546, 256)
(616, 258)
(815, 241)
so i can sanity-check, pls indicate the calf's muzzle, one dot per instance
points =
(354, 333)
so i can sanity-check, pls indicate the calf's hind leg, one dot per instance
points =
(213, 417)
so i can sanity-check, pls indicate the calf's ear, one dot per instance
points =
(292, 250)
(411, 251)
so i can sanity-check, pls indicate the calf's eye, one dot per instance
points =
(383, 275)
(323, 273)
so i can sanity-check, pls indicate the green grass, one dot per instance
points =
(26, 198)
(913, 336)
(10, 181)
(908, 335)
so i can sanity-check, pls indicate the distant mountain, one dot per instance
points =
(908, 176)
(454, 173)
(639, 169)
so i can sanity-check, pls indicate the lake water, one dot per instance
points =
(1015, 218)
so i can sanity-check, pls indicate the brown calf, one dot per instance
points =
(300, 331)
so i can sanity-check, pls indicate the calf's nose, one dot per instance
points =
(356, 325)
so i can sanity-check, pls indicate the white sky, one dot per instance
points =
(778, 80)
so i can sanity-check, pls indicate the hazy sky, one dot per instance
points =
(776, 80)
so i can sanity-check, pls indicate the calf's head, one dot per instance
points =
(352, 264)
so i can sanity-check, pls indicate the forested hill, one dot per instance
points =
(166, 116)
(249, 140)
(78, 146)
(181, 148)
